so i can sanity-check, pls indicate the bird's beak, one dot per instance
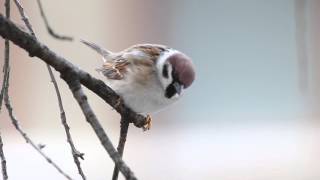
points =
(177, 86)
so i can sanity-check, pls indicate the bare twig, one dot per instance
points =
(3, 161)
(3, 93)
(4, 84)
(50, 30)
(75, 86)
(124, 126)
(5, 70)
(7, 101)
(6, 54)
(15, 122)
(75, 153)
(24, 17)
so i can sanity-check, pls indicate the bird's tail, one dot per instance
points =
(103, 52)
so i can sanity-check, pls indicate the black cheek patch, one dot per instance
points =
(165, 71)
(170, 91)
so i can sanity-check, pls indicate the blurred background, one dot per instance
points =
(252, 113)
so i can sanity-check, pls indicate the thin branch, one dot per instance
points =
(75, 153)
(9, 30)
(75, 86)
(24, 17)
(3, 161)
(9, 106)
(3, 81)
(4, 84)
(6, 54)
(124, 126)
(4, 70)
(15, 122)
(49, 29)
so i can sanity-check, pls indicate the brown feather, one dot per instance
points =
(116, 67)
(153, 51)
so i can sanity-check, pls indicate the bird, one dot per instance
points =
(148, 77)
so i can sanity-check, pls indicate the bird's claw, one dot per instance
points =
(147, 126)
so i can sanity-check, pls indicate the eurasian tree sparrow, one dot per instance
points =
(148, 77)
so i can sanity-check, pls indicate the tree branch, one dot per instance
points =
(49, 29)
(75, 153)
(24, 17)
(6, 55)
(4, 84)
(124, 126)
(3, 161)
(75, 86)
(15, 122)
(9, 30)
(3, 90)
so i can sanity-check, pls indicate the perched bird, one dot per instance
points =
(148, 77)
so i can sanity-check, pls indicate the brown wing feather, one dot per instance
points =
(153, 51)
(115, 69)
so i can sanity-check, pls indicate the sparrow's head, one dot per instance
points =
(175, 71)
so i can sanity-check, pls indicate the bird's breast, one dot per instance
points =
(148, 97)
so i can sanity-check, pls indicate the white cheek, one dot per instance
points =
(161, 61)
(169, 79)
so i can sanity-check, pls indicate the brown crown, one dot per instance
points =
(183, 69)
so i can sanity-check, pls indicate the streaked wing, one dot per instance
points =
(115, 69)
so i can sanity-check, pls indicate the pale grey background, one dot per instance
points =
(251, 114)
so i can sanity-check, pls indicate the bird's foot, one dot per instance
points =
(147, 126)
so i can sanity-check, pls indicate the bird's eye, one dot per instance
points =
(165, 71)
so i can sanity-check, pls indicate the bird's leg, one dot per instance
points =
(147, 126)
